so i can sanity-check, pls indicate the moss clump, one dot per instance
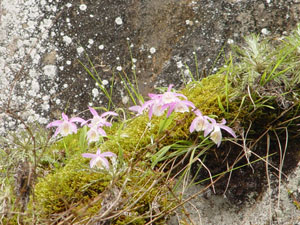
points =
(73, 183)
(73, 187)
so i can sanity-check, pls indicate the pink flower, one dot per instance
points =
(200, 123)
(178, 106)
(215, 131)
(97, 120)
(94, 134)
(65, 126)
(155, 107)
(158, 103)
(137, 108)
(99, 159)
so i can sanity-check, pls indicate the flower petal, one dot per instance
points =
(150, 112)
(101, 131)
(198, 112)
(228, 129)
(135, 108)
(181, 95)
(171, 109)
(73, 127)
(98, 152)
(88, 155)
(170, 87)
(77, 119)
(193, 125)
(209, 129)
(85, 122)
(109, 113)
(56, 132)
(188, 103)
(55, 123)
(216, 136)
(93, 111)
(65, 117)
(108, 154)
(104, 162)
(93, 162)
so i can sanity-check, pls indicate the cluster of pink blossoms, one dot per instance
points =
(173, 101)
(210, 126)
(67, 126)
(157, 106)
(159, 103)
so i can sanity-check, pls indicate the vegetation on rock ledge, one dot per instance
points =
(257, 92)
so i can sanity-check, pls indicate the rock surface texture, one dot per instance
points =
(43, 46)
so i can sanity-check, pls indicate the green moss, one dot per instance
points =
(72, 183)
(74, 186)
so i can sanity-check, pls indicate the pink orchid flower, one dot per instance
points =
(99, 159)
(214, 129)
(158, 103)
(94, 134)
(97, 120)
(200, 123)
(137, 108)
(178, 106)
(65, 126)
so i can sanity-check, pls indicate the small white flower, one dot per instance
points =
(119, 68)
(181, 107)
(92, 135)
(65, 126)
(101, 47)
(157, 109)
(216, 135)
(99, 159)
(168, 97)
(119, 21)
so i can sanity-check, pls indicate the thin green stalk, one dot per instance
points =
(98, 81)
(133, 71)
(196, 65)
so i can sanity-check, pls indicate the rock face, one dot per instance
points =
(163, 36)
